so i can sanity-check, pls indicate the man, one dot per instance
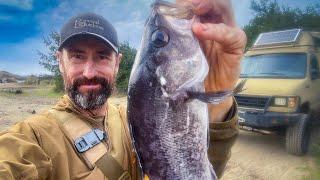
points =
(85, 137)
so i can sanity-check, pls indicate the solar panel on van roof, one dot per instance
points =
(278, 37)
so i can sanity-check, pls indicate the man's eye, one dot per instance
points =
(103, 56)
(78, 56)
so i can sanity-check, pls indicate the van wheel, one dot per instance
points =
(297, 137)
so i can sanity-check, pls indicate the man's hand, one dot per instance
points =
(223, 44)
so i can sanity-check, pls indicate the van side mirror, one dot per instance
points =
(315, 74)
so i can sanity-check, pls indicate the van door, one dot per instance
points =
(315, 85)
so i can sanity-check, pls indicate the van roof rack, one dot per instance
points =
(277, 38)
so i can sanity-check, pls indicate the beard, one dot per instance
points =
(93, 99)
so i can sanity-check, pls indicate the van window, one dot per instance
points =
(316, 41)
(314, 66)
(282, 65)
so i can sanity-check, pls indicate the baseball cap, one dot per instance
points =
(89, 24)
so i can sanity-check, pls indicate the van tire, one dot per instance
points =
(297, 137)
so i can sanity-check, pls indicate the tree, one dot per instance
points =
(270, 16)
(48, 59)
(128, 55)
(49, 62)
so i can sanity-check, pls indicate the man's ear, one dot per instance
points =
(118, 60)
(60, 61)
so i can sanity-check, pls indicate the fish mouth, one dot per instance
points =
(172, 94)
(175, 99)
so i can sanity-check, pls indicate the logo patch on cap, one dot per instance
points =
(81, 23)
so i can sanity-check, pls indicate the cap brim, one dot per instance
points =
(89, 34)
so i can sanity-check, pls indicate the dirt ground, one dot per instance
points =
(14, 108)
(254, 156)
(263, 157)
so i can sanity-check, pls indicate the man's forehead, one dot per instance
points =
(89, 42)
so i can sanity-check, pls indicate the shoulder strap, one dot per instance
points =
(114, 172)
(98, 155)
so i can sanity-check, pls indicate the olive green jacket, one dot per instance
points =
(39, 147)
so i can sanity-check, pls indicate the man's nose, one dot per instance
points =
(89, 70)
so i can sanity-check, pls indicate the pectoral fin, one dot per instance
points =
(216, 97)
(209, 97)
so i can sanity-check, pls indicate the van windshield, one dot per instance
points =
(284, 65)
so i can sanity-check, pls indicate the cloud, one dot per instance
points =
(128, 16)
(20, 4)
(34, 19)
(243, 14)
(22, 58)
(130, 31)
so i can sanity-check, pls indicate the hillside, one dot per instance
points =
(13, 78)
(8, 75)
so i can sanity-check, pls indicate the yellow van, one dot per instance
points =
(282, 90)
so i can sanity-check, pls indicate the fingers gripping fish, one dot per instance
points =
(168, 121)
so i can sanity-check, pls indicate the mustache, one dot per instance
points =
(85, 81)
(92, 99)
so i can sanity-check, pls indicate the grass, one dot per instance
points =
(36, 91)
(45, 92)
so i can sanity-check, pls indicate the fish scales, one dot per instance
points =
(170, 136)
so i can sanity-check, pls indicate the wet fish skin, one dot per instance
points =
(171, 140)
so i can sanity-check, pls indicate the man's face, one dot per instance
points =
(89, 69)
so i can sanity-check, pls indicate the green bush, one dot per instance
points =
(58, 84)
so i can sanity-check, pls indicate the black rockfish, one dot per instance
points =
(169, 123)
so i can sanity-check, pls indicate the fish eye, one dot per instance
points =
(160, 38)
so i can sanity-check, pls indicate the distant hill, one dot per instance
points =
(8, 75)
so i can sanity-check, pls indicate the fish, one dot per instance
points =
(167, 103)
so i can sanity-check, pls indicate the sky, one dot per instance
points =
(24, 24)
